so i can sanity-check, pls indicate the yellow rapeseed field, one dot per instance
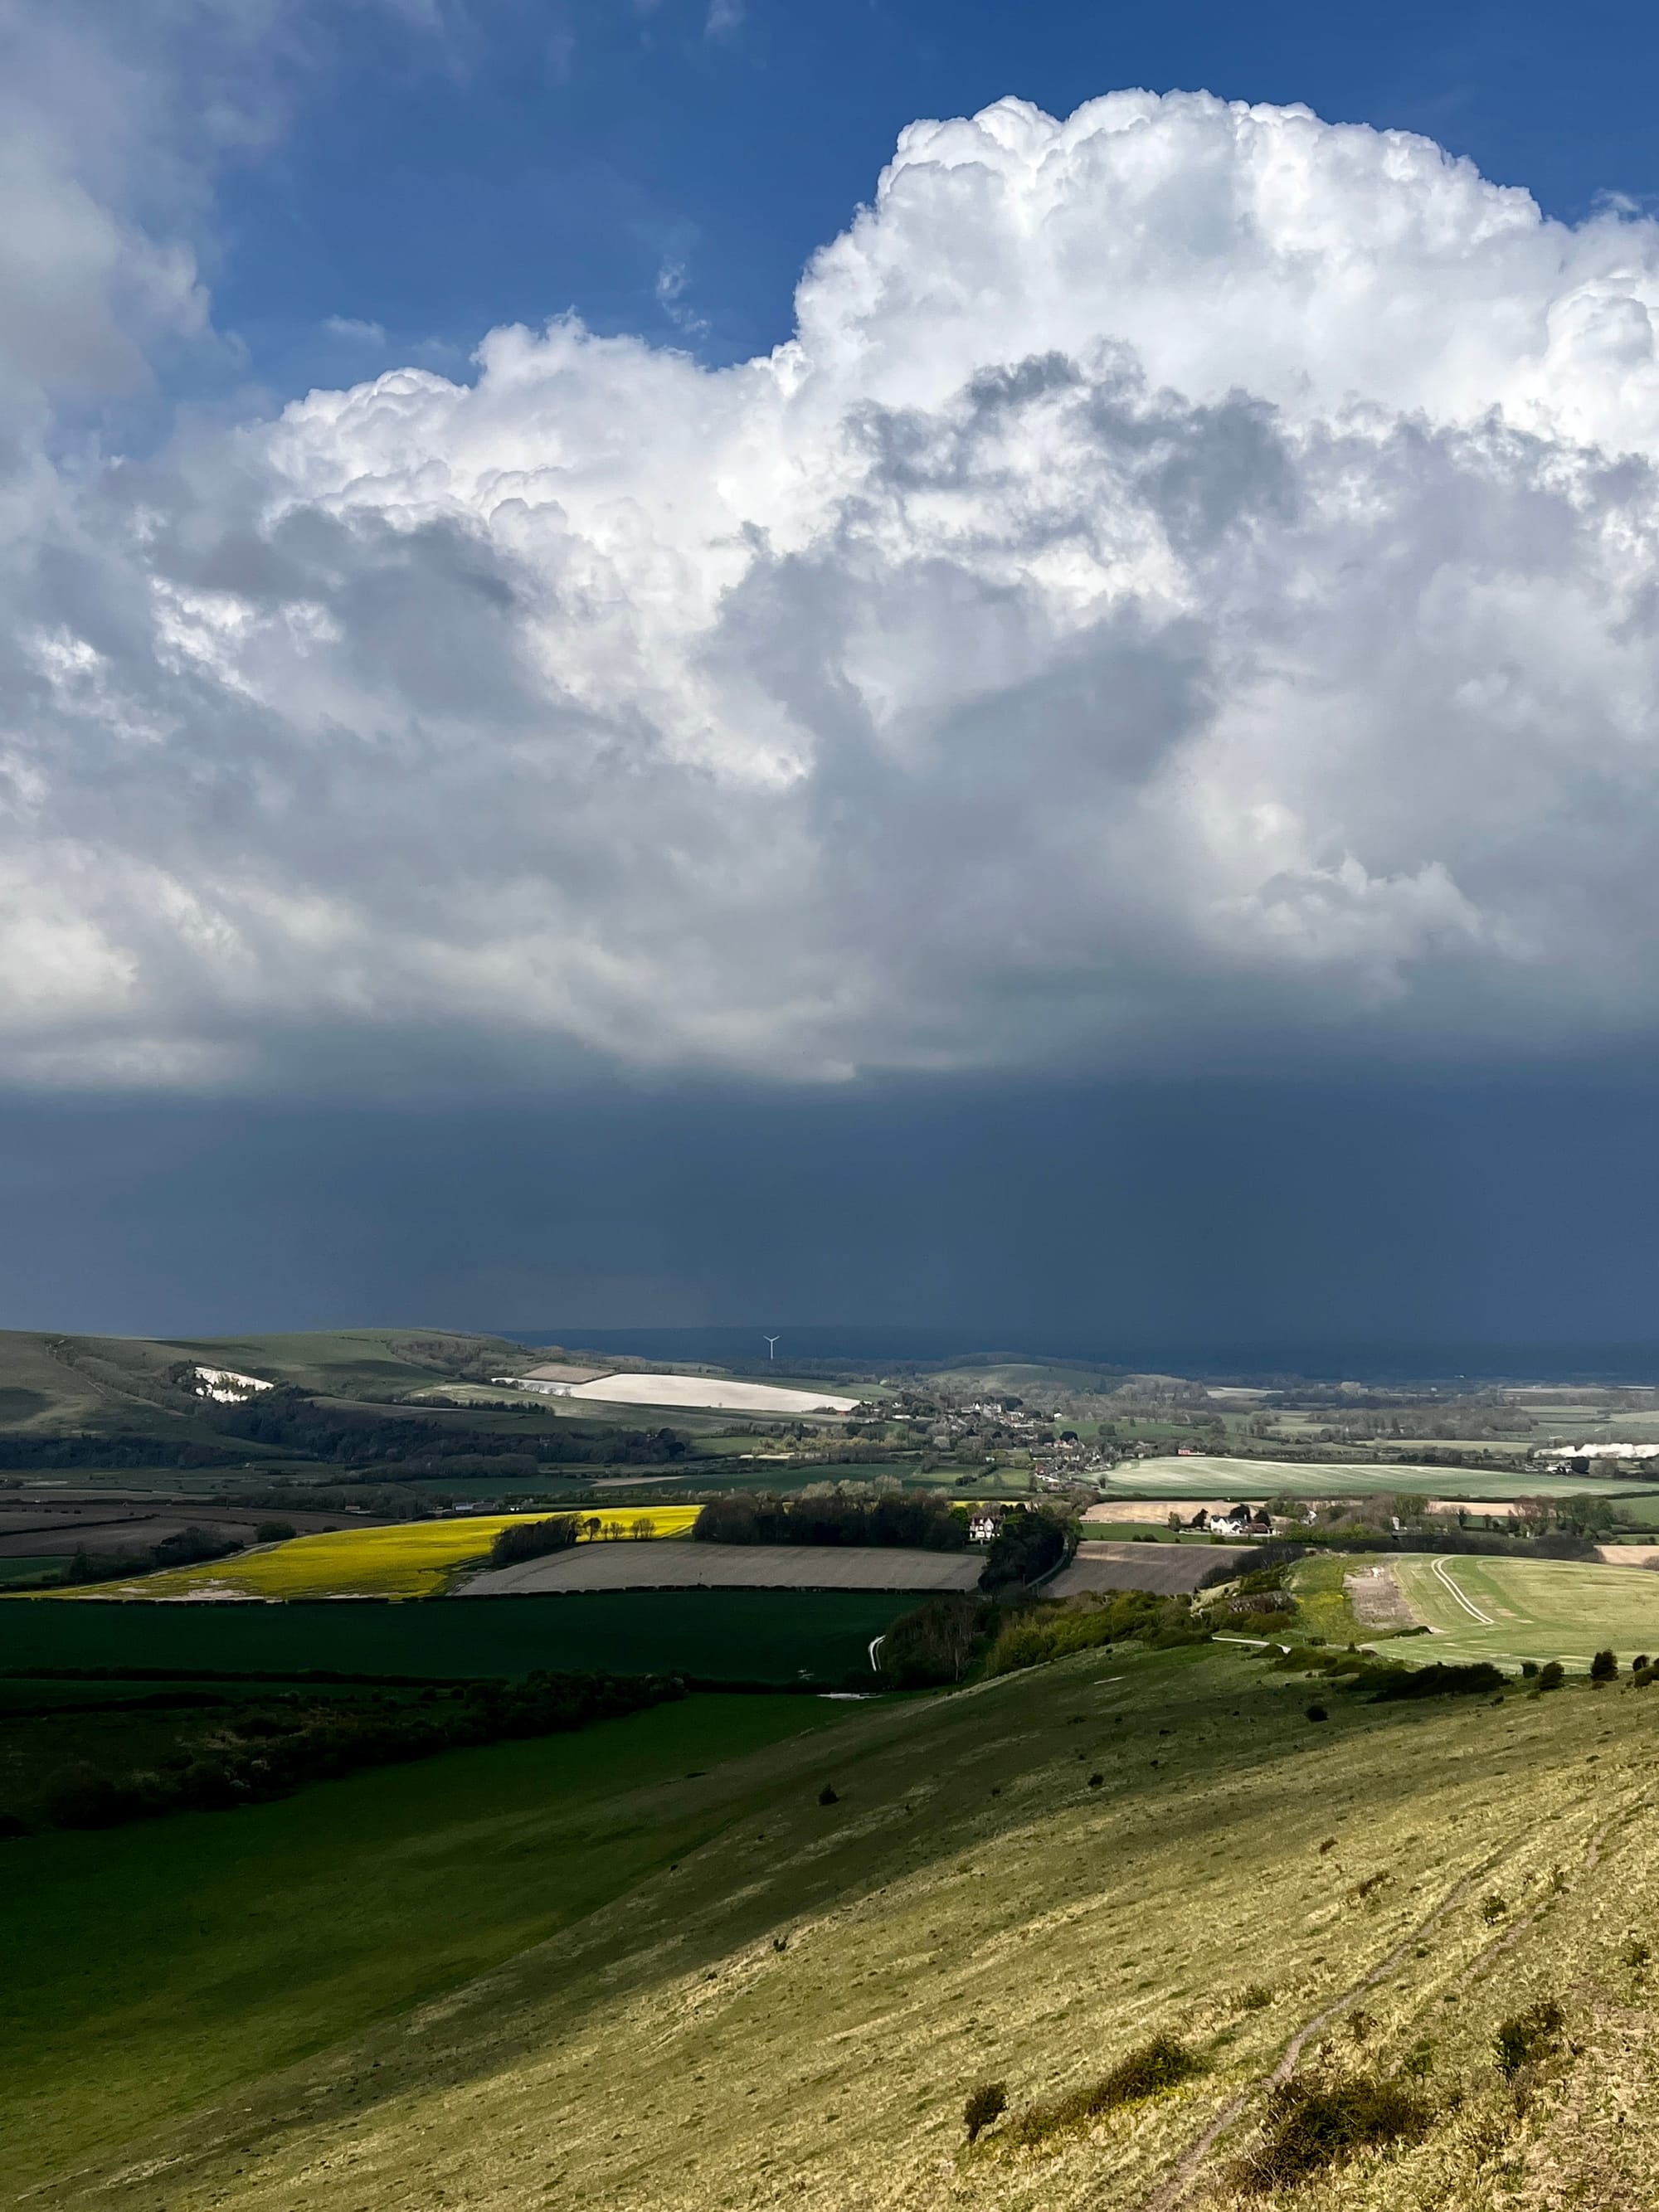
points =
(411, 1558)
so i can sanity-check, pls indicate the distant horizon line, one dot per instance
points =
(1313, 1358)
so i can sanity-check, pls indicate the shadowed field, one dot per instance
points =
(1167, 1567)
(727, 1636)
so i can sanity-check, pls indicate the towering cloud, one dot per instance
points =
(1188, 585)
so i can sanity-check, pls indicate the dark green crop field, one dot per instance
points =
(735, 1636)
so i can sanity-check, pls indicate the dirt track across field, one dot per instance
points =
(1377, 1599)
(630, 1565)
(1168, 1568)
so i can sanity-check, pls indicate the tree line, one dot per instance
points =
(396, 1448)
(125, 1449)
(290, 1420)
(914, 1520)
(275, 1748)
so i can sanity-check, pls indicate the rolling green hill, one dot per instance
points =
(372, 1364)
(53, 1384)
(614, 1982)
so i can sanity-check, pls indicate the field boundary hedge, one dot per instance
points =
(278, 1749)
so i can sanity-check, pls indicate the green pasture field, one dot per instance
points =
(1476, 1446)
(738, 1635)
(584, 1973)
(1206, 1476)
(27, 1569)
(18, 1691)
(151, 1968)
(41, 1488)
(1142, 1532)
(1322, 1600)
(1508, 1610)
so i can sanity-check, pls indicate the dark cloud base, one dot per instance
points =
(1353, 1224)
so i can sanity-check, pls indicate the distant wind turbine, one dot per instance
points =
(772, 1347)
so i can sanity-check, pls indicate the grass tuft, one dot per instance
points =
(1527, 2037)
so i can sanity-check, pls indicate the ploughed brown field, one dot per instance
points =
(1169, 1569)
(736, 1566)
(32, 1527)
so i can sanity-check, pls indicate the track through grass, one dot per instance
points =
(1508, 1610)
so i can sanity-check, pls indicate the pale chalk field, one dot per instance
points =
(703, 1393)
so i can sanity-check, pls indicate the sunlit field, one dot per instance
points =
(1211, 1476)
(1508, 1610)
(412, 1559)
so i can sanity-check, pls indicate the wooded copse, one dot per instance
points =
(291, 1420)
(534, 1540)
(914, 1520)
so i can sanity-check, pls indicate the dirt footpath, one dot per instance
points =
(1377, 1599)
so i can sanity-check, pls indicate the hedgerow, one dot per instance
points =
(273, 1749)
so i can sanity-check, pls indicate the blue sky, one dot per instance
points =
(532, 159)
(695, 663)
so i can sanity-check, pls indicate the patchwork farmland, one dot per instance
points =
(407, 1559)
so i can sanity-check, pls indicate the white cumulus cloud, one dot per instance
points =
(1188, 587)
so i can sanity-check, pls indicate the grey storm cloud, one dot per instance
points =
(1187, 585)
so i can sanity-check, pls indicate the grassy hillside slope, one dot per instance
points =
(352, 1362)
(158, 1966)
(50, 1385)
(792, 2009)
(53, 1384)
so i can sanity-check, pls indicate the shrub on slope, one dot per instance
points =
(1055, 1630)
